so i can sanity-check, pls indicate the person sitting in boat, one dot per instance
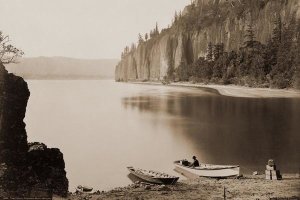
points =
(195, 163)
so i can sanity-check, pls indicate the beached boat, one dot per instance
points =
(151, 176)
(206, 170)
(84, 189)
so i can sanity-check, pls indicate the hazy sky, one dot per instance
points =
(82, 28)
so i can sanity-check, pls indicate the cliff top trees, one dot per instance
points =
(175, 17)
(156, 29)
(154, 32)
(8, 53)
(125, 52)
(140, 39)
(133, 47)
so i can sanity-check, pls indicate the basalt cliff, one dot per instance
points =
(203, 22)
(25, 168)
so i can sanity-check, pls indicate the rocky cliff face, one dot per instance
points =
(13, 138)
(221, 21)
(24, 167)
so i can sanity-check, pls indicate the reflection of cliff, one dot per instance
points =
(217, 22)
(23, 166)
(230, 130)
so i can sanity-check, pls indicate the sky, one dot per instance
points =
(89, 29)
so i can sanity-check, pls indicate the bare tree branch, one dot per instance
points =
(8, 53)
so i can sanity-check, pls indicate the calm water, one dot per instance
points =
(102, 127)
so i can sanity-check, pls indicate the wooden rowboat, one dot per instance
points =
(207, 170)
(151, 176)
(84, 189)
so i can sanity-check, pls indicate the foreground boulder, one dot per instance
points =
(24, 167)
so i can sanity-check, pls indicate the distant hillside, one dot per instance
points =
(63, 68)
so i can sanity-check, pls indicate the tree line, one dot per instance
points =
(141, 39)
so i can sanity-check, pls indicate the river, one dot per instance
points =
(102, 127)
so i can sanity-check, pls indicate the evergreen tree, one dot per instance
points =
(179, 15)
(204, 70)
(181, 72)
(151, 34)
(221, 49)
(133, 47)
(126, 50)
(209, 55)
(215, 52)
(175, 17)
(146, 36)
(257, 69)
(283, 72)
(249, 36)
(276, 35)
(219, 68)
(296, 77)
(156, 29)
(273, 44)
(141, 40)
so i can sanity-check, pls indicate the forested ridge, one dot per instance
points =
(274, 64)
(251, 61)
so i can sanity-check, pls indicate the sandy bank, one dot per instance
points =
(249, 187)
(238, 91)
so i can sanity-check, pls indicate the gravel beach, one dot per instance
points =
(247, 187)
(235, 90)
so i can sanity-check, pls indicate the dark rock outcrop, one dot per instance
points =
(24, 167)
(49, 166)
(13, 101)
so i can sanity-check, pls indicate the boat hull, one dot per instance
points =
(216, 172)
(84, 189)
(154, 180)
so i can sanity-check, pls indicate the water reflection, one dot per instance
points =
(102, 127)
(226, 130)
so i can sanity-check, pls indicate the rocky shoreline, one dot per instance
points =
(247, 187)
